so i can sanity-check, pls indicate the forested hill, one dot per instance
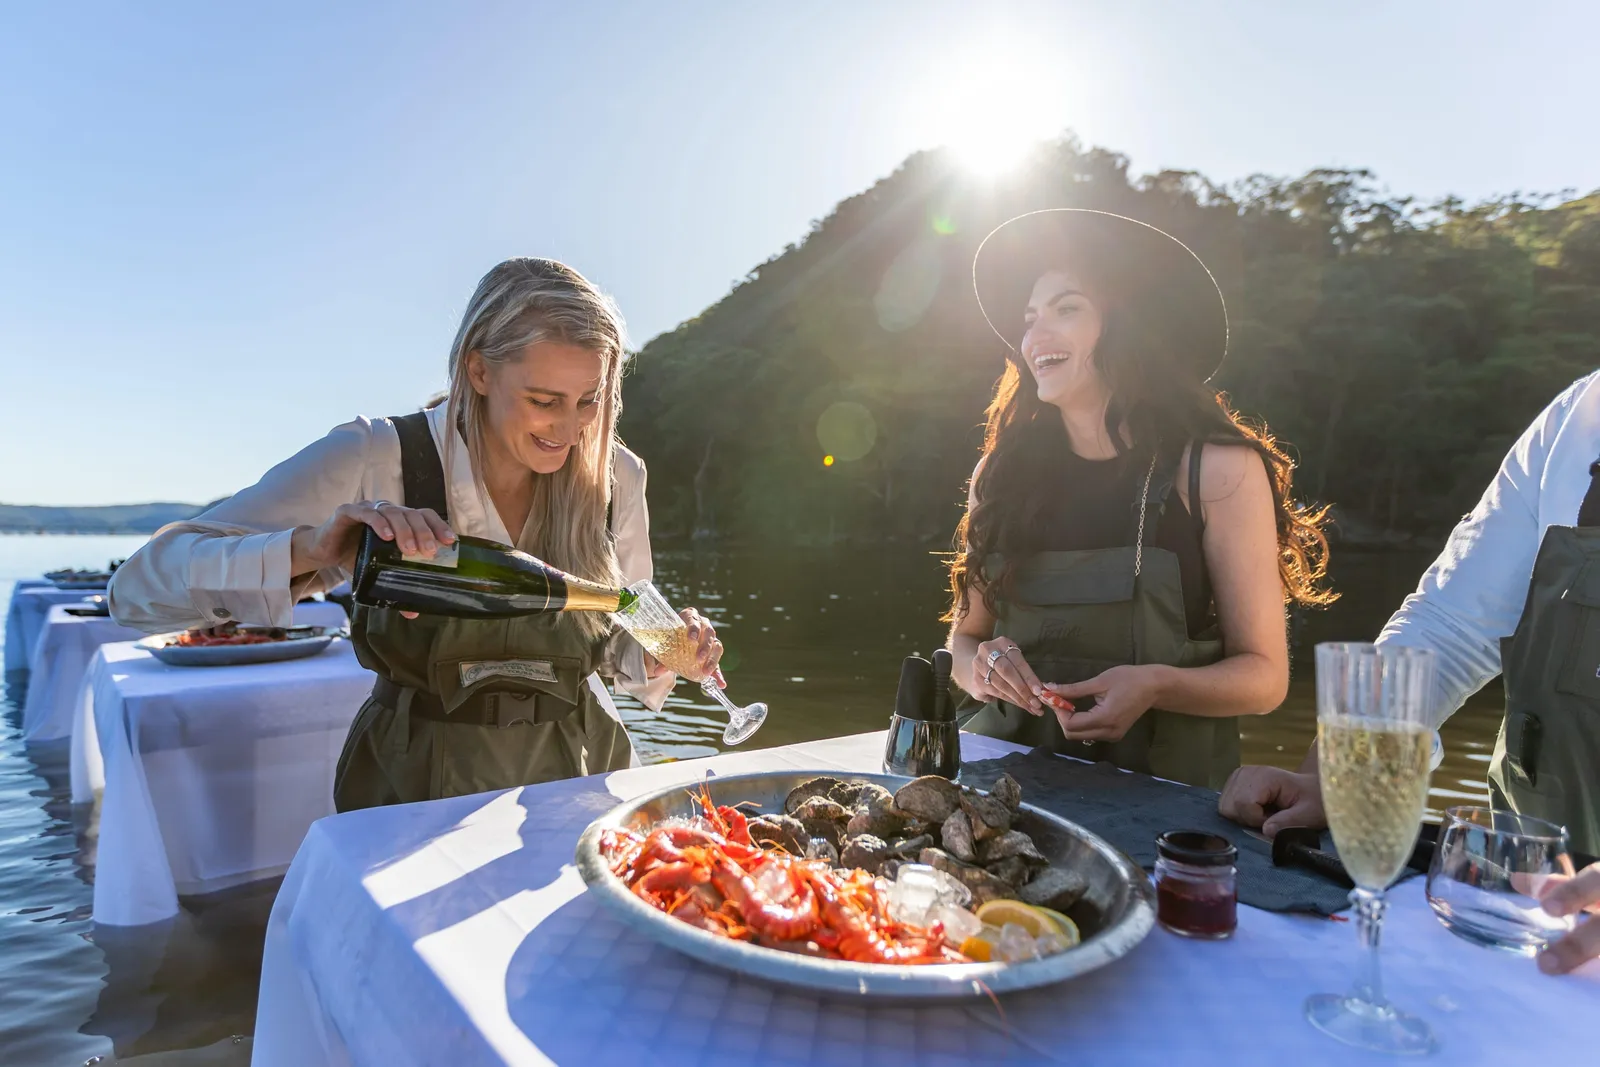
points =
(112, 519)
(1398, 347)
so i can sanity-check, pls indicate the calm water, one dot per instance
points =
(818, 635)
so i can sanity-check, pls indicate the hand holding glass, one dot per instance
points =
(1487, 873)
(653, 623)
(1373, 744)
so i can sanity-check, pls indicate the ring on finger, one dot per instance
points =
(994, 657)
(988, 675)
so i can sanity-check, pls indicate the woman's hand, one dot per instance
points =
(416, 532)
(1000, 673)
(1121, 695)
(703, 639)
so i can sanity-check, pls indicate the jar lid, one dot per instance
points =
(1196, 848)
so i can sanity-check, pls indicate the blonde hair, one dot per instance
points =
(522, 302)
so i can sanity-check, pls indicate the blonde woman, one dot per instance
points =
(523, 450)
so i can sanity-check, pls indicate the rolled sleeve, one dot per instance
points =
(631, 522)
(243, 579)
(1472, 596)
(232, 563)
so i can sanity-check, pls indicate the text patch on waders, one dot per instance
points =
(1076, 614)
(468, 705)
(1547, 757)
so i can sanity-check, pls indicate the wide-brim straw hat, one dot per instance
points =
(1167, 290)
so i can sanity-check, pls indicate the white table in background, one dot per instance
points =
(210, 775)
(67, 643)
(55, 674)
(458, 932)
(30, 603)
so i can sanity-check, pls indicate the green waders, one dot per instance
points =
(469, 705)
(1074, 615)
(1547, 757)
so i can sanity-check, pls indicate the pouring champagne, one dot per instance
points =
(653, 623)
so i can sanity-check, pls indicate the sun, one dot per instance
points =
(994, 112)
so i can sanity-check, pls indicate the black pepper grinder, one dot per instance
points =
(923, 735)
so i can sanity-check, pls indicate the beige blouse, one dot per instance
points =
(231, 563)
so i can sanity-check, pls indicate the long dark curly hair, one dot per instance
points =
(1156, 407)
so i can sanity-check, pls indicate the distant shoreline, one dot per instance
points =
(112, 519)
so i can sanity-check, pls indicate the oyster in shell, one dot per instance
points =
(929, 798)
(956, 835)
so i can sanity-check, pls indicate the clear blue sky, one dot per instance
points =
(225, 228)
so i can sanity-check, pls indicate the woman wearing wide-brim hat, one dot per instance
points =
(1129, 543)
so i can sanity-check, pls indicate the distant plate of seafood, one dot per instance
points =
(868, 884)
(231, 644)
(78, 579)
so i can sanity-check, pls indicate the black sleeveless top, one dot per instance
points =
(1093, 504)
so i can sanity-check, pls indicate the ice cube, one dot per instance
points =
(1050, 944)
(912, 894)
(959, 923)
(951, 889)
(1015, 944)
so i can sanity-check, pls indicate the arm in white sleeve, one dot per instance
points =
(631, 520)
(231, 564)
(1473, 594)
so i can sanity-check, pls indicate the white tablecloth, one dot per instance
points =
(458, 932)
(67, 643)
(211, 775)
(25, 619)
(60, 656)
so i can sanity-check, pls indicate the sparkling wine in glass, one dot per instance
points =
(1374, 740)
(653, 623)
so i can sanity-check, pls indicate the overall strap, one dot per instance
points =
(421, 472)
(1196, 515)
(1589, 510)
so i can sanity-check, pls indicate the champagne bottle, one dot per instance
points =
(472, 579)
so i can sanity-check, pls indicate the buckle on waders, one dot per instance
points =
(510, 706)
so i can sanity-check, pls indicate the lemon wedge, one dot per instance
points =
(977, 949)
(1069, 929)
(1034, 920)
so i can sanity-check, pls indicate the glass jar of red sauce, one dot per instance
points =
(1195, 892)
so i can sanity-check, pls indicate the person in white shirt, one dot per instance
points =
(522, 451)
(1515, 591)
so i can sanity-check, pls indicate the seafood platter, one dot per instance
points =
(232, 644)
(868, 884)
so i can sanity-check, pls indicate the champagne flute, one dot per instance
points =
(653, 623)
(1374, 740)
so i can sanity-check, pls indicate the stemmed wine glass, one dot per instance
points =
(1374, 740)
(653, 623)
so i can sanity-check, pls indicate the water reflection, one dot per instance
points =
(819, 635)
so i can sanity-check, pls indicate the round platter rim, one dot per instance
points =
(937, 981)
(291, 648)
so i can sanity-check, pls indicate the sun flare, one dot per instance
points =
(995, 113)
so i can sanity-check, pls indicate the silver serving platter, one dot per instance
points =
(161, 647)
(1115, 915)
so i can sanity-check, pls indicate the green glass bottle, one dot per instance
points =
(472, 579)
